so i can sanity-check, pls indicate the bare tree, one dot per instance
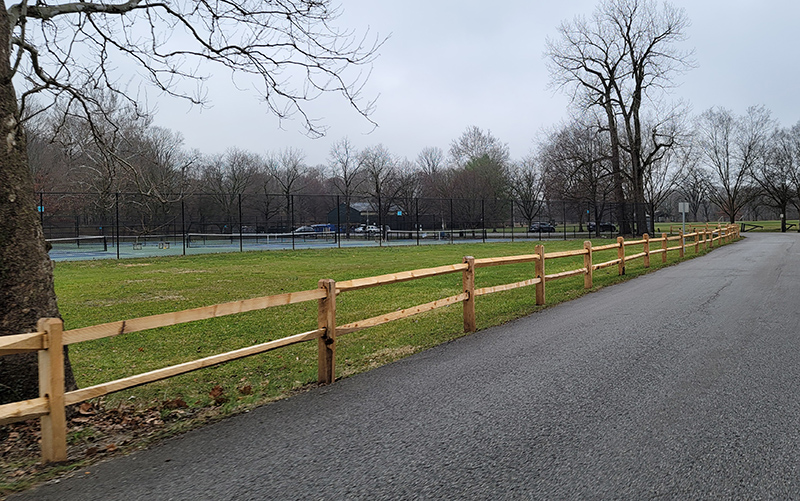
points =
(288, 168)
(661, 162)
(576, 163)
(225, 178)
(586, 60)
(435, 182)
(101, 153)
(266, 203)
(651, 37)
(732, 146)
(692, 181)
(434, 172)
(347, 174)
(526, 187)
(431, 161)
(774, 172)
(380, 169)
(159, 173)
(408, 183)
(621, 60)
(160, 168)
(46, 160)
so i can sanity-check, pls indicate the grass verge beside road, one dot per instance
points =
(103, 291)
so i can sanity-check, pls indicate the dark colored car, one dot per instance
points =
(543, 227)
(603, 226)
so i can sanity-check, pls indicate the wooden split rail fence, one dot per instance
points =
(675, 228)
(50, 338)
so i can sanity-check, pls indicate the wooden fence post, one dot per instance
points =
(540, 291)
(711, 239)
(468, 280)
(682, 251)
(646, 246)
(664, 245)
(696, 241)
(51, 386)
(621, 255)
(326, 345)
(587, 263)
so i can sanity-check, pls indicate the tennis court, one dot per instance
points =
(105, 247)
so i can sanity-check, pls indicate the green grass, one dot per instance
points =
(104, 291)
(770, 226)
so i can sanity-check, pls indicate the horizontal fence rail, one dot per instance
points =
(50, 338)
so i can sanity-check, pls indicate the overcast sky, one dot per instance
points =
(451, 64)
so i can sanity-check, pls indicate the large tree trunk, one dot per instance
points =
(26, 272)
(639, 200)
(616, 169)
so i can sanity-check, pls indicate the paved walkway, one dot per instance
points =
(682, 383)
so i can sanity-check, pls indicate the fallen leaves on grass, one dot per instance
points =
(92, 431)
(217, 394)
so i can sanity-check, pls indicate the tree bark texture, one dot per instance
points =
(27, 291)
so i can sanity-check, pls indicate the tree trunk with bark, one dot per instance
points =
(616, 167)
(26, 272)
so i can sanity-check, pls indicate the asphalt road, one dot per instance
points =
(684, 383)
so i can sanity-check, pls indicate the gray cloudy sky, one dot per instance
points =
(452, 64)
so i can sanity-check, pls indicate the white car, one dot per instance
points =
(370, 228)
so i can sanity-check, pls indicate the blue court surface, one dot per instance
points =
(89, 248)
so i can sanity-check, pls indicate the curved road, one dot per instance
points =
(684, 383)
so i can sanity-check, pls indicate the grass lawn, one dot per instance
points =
(103, 291)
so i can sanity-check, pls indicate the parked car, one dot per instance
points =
(603, 226)
(370, 228)
(541, 226)
(304, 229)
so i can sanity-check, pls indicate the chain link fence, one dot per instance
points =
(122, 225)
